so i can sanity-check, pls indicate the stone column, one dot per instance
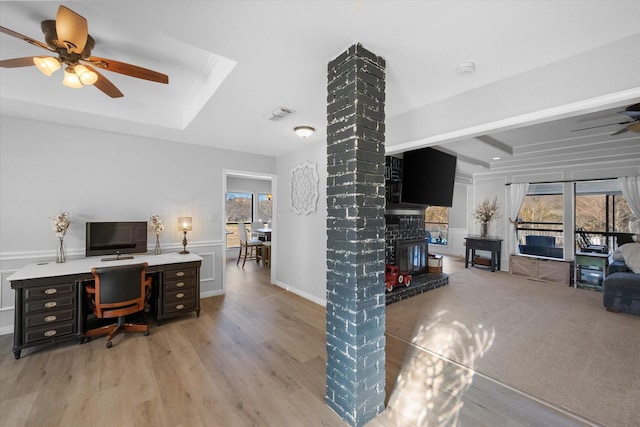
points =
(355, 235)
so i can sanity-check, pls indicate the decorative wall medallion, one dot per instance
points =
(304, 188)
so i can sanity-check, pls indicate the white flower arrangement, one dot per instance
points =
(486, 210)
(61, 223)
(157, 224)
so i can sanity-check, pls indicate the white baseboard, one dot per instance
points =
(303, 294)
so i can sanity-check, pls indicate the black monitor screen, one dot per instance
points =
(110, 238)
(428, 177)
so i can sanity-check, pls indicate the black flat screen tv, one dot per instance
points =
(428, 177)
(115, 238)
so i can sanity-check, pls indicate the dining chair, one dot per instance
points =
(250, 247)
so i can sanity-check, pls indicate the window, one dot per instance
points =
(238, 209)
(601, 210)
(540, 221)
(264, 208)
(436, 224)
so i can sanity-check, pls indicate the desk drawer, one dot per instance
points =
(51, 291)
(176, 306)
(49, 304)
(182, 294)
(174, 285)
(181, 274)
(483, 245)
(49, 317)
(48, 332)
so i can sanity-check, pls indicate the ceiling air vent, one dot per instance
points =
(279, 114)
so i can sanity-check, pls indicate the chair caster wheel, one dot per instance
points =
(146, 333)
(109, 344)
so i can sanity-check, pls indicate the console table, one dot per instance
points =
(50, 299)
(492, 244)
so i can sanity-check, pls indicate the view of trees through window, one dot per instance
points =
(264, 208)
(597, 214)
(541, 215)
(436, 224)
(238, 208)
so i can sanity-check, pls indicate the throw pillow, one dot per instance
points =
(617, 255)
(631, 254)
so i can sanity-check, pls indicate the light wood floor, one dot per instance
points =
(255, 357)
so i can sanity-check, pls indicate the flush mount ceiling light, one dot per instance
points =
(304, 131)
(465, 68)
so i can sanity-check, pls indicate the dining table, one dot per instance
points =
(263, 233)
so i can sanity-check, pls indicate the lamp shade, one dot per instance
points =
(304, 131)
(71, 79)
(87, 77)
(47, 64)
(184, 223)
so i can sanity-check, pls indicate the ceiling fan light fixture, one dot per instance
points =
(47, 64)
(71, 79)
(87, 77)
(304, 131)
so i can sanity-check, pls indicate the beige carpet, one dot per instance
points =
(549, 340)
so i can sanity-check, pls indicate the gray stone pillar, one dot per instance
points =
(355, 235)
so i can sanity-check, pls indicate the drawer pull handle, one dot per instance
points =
(50, 304)
(180, 273)
(50, 333)
(179, 306)
(50, 318)
(179, 284)
(180, 295)
(50, 291)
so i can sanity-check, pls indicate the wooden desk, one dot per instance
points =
(492, 244)
(50, 298)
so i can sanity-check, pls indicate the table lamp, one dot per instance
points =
(184, 225)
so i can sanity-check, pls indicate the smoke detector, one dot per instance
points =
(465, 68)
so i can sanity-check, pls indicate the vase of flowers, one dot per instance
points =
(60, 224)
(157, 225)
(484, 213)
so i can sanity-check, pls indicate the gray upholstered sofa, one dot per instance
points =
(621, 287)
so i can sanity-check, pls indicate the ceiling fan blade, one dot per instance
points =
(25, 38)
(623, 130)
(601, 126)
(105, 84)
(27, 61)
(72, 29)
(128, 69)
(635, 115)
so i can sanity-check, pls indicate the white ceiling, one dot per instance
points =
(231, 63)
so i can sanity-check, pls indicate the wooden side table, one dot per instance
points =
(492, 244)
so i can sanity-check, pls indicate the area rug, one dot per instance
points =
(549, 340)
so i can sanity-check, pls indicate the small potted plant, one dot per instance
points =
(60, 224)
(484, 213)
(157, 225)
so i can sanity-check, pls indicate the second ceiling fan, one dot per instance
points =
(68, 37)
(632, 112)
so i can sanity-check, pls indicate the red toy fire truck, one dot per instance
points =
(394, 277)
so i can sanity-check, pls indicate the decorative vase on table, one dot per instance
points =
(60, 251)
(484, 229)
(157, 250)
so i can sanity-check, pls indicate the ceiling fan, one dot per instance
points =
(68, 37)
(632, 112)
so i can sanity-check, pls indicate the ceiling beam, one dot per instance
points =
(465, 159)
(495, 144)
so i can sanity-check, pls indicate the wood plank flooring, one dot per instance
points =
(255, 357)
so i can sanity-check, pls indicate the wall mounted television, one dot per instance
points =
(428, 177)
(115, 238)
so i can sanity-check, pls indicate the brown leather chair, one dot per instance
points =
(117, 292)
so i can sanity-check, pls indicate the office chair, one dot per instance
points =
(117, 292)
(251, 248)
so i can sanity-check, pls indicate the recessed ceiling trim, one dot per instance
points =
(495, 144)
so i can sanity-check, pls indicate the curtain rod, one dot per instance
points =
(561, 181)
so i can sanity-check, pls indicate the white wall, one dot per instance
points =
(302, 239)
(46, 168)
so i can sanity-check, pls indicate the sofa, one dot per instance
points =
(621, 287)
(541, 246)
